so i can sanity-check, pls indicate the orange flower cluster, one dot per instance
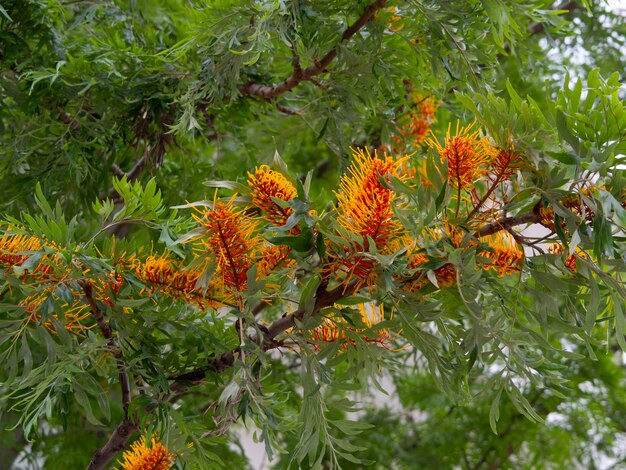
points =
(14, 251)
(267, 185)
(504, 164)
(506, 255)
(169, 277)
(413, 127)
(365, 208)
(230, 236)
(445, 275)
(364, 205)
(573, 202)
(333, 329)
(570, 259)
(271, 257)
(142, 457)
(467, 155)
(74, 313)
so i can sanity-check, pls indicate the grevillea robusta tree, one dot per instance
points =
(263, 213)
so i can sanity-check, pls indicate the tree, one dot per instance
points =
(248, 211)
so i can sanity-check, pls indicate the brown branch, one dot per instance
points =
(287, 111)
(299, 75)
(323, 298)
(506, 223)
(118, 439)
(116, 442)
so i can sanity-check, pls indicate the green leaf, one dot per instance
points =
(307, 297)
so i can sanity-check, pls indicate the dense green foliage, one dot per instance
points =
(127, 129)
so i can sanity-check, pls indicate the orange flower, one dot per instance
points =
(333, 329)
(170, 277)
(570, 259)
(445, 274)
(506, 255)
(230, 237)
(466, 153)
(416, 124)
(14, 248)
(365, 208)
(73, 316)
(364, 205)
(47, 275)
(271, 257)
(142, 457)
(427, 106)
(413, 125)
(267, 184)
(505, 163)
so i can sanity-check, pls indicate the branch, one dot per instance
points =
(506, 223)
(116, 443)
(118, 439)
(299, 75)
(323, 298)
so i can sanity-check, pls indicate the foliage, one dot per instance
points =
(243, 212)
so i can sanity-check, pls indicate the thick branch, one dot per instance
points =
(299, 75)
(116, 443)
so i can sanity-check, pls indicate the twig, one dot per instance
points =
(299, 75)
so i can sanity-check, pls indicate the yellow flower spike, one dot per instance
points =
(466, 153)
(142, 457)
(364, 205)
(230, 236)
(365, 208)
(506, 255)
(12, 248)
(266, 184)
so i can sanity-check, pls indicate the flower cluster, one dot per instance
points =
(334, 329)
(466, 154)
(266, 186)
(48, 274)
(230, 235)
(570, 259)
(504, 252)
(365, 205)
(143, 457)
(169, 277)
